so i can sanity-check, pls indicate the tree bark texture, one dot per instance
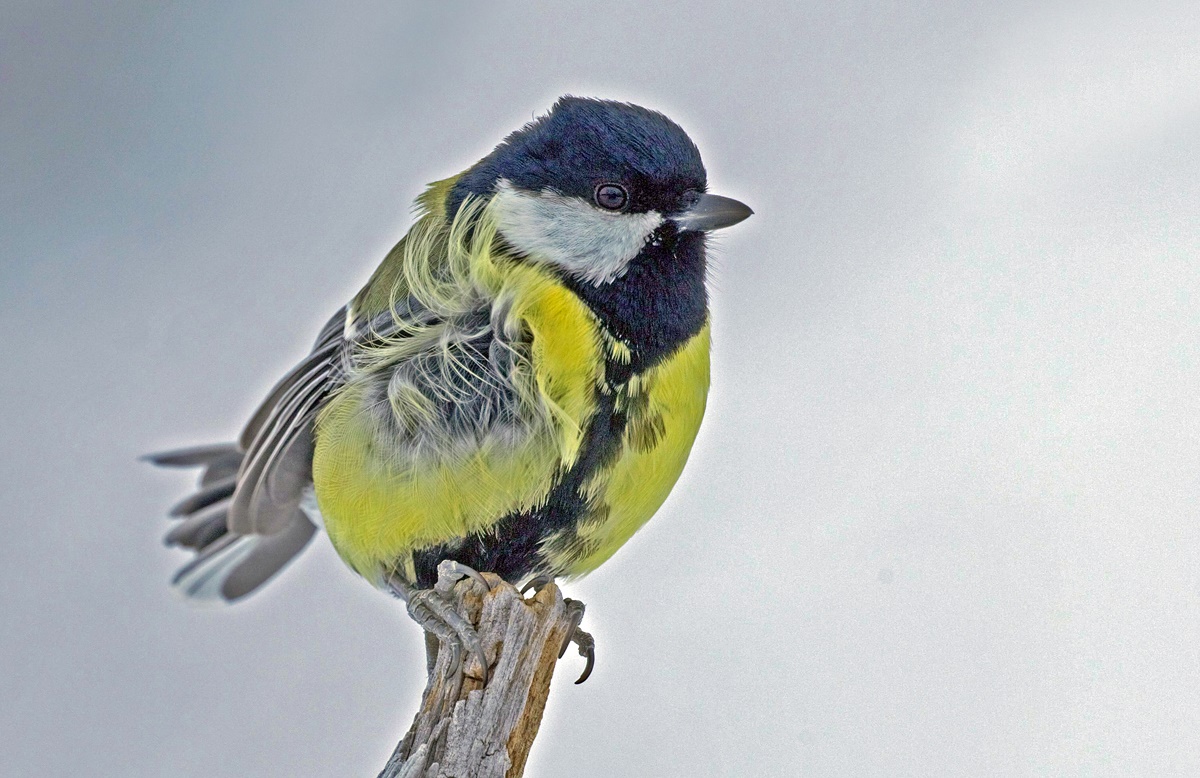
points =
(466, 728)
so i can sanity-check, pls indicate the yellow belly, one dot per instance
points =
(377, 510)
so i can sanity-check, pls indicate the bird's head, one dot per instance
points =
(592, 185)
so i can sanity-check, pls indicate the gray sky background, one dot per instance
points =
(941, 519)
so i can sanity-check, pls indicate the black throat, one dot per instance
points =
(659, 303)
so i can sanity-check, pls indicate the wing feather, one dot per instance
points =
(254, 510)
(322, 353)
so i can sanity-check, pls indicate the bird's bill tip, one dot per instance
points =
(713, 212)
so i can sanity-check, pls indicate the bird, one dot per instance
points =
(515, 390)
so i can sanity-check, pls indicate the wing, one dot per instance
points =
(277, 467)
(248, 519)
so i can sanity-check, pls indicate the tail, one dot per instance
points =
(227, 566)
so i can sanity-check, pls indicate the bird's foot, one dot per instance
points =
(433, 609)
(584, 640)
(586, 643)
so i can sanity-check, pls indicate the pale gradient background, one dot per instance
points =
(942, 517)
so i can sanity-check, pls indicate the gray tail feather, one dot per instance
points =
(232, 566)
(220, 461)
(227, 566)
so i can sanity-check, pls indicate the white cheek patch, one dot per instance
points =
(586, 241)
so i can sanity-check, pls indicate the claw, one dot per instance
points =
(537, 583)
(587, 649)
(451, 572)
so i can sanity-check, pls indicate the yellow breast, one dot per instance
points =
(664, 408)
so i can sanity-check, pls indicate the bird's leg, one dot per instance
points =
(586, 643)
(437, 631)
(435, 612)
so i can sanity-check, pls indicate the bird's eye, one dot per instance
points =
(611, 196)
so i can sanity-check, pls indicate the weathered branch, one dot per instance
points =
(467, 728)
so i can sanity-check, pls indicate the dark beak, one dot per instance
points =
(712, 212)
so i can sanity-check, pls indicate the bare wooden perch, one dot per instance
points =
(468, 728)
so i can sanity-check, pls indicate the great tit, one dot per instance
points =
(515, 390)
